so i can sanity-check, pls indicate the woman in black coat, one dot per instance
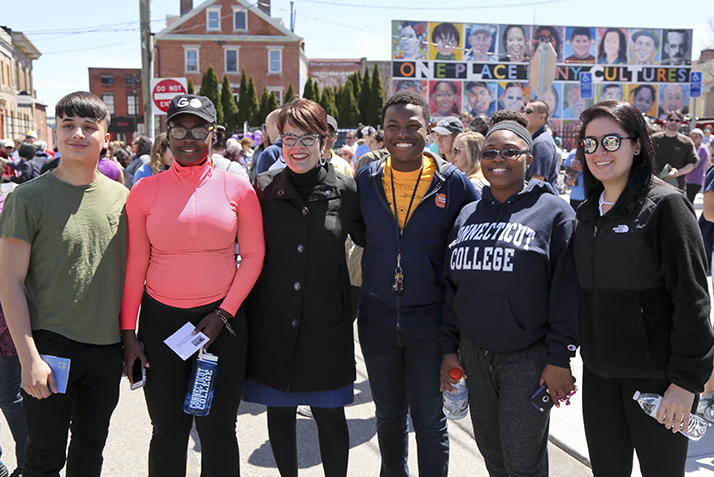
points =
(301, 348)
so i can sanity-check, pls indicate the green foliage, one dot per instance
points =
(349, 115)
(376, 99)
(327, 101)
(356, 79)
(289, 94)
(272, 103)
(308, 93)
(365, 93)
(316, 91)
(190, 89)
(209, 89)
(253, 107)
(228, 102)
(243, 101)
(263, 111)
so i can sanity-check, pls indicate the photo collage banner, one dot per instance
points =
(481, 68)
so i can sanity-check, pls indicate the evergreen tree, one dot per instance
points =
(289, 94)
(316, 91)
(348, 108)
(209, 89)
(253, 107)
(190, 88)
(308, 93)
(356, 79)
(272, 103)
(376, 99)
(265, 107)
(327, 101)
(365, 92)
(243, 101)
(228, 102)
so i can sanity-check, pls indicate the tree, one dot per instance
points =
(316, 91)
(356, 79)
(243, 100)
(365, 92)
(327, 101)
(253, 107)
(268, 103)
(209, 89)
(289, 94)
(308, 93)
(348, 108)
(190, 89)
(228, 103)
(376, 99)
(272, 103)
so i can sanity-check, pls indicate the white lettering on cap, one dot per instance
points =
(182, 103)
(195, 103)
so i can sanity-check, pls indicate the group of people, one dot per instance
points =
(469, 261)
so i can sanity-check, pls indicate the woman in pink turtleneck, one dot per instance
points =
(184, 225)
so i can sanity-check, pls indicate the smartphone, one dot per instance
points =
(541, 399)
(138, 374)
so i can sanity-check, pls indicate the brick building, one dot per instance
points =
(231, 35)
(334, 72)
(120, 89)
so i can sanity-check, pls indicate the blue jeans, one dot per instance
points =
(11, 405)
(86, 408)
(403, 366)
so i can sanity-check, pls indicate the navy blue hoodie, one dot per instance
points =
(510, 275)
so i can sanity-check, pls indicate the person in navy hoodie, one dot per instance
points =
(511, 306)
(409, 200)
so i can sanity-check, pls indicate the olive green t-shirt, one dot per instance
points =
(78, 240)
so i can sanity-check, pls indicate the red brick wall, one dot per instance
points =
(120, 89)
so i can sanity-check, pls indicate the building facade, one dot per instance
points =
(120, 89)
(19, 109)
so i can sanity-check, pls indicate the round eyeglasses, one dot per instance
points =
(491, 154)
(307, 140)
(610, 142)
(198, 132)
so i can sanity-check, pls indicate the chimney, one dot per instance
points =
(186, 6)
(264, 5)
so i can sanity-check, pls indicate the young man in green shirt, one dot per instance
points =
(63, 254)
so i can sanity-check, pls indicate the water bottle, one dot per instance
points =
(201, 385)
(650, 404)
(456, 402)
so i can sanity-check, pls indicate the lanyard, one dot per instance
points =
(398, 286)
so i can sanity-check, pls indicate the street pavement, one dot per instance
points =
(126, 450)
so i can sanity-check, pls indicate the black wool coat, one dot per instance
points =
(299, 311)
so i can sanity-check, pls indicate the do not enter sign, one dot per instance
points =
(163, 90)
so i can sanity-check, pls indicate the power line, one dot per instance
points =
(91, 48)
(401, 7)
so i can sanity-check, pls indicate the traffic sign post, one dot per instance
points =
(163, 91)
(695, 80)
(586, 85)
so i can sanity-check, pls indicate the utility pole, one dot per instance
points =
(145, 15)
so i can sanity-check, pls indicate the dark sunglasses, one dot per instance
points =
(610, 143)
(528, 110)
(456, 151)
(491, 154)
(198, 132)
(674, 120)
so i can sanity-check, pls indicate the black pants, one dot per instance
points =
(692, 191)
(86, 408)
(166, 385)
(615, 425)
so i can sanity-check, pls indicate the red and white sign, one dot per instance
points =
(163, 91)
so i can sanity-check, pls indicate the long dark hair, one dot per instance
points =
(622, 52)
(630, 119)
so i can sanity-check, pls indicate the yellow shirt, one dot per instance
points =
(404, 183)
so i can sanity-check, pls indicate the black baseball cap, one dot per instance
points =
(192, 104)
(449, 125)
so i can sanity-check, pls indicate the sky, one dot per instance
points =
(74, 36)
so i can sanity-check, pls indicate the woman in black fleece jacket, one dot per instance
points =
(644, 319)
(511, 305)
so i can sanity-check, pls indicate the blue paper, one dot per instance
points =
(60, 370)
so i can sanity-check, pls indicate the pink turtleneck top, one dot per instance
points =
(183, 228)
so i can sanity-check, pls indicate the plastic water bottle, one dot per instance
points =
(456, 402)
(650, 404)
(201, 385)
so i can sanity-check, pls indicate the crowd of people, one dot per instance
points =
(447, 242)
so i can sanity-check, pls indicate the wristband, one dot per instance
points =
(218, 312)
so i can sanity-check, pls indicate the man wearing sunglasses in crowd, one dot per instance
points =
(545, 153)
(674, 149)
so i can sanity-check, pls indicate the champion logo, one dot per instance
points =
(572, 347)
(440, 200)
(621, 229)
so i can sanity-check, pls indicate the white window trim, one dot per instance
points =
(278, 91)
(210, 10)
(280, 50)
(186, 49)
(112, 107)
(233, 18)
(227, 48)
(136, 104)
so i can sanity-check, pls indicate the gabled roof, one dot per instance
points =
(171, 33)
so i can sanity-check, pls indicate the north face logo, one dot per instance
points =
(621, 229)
